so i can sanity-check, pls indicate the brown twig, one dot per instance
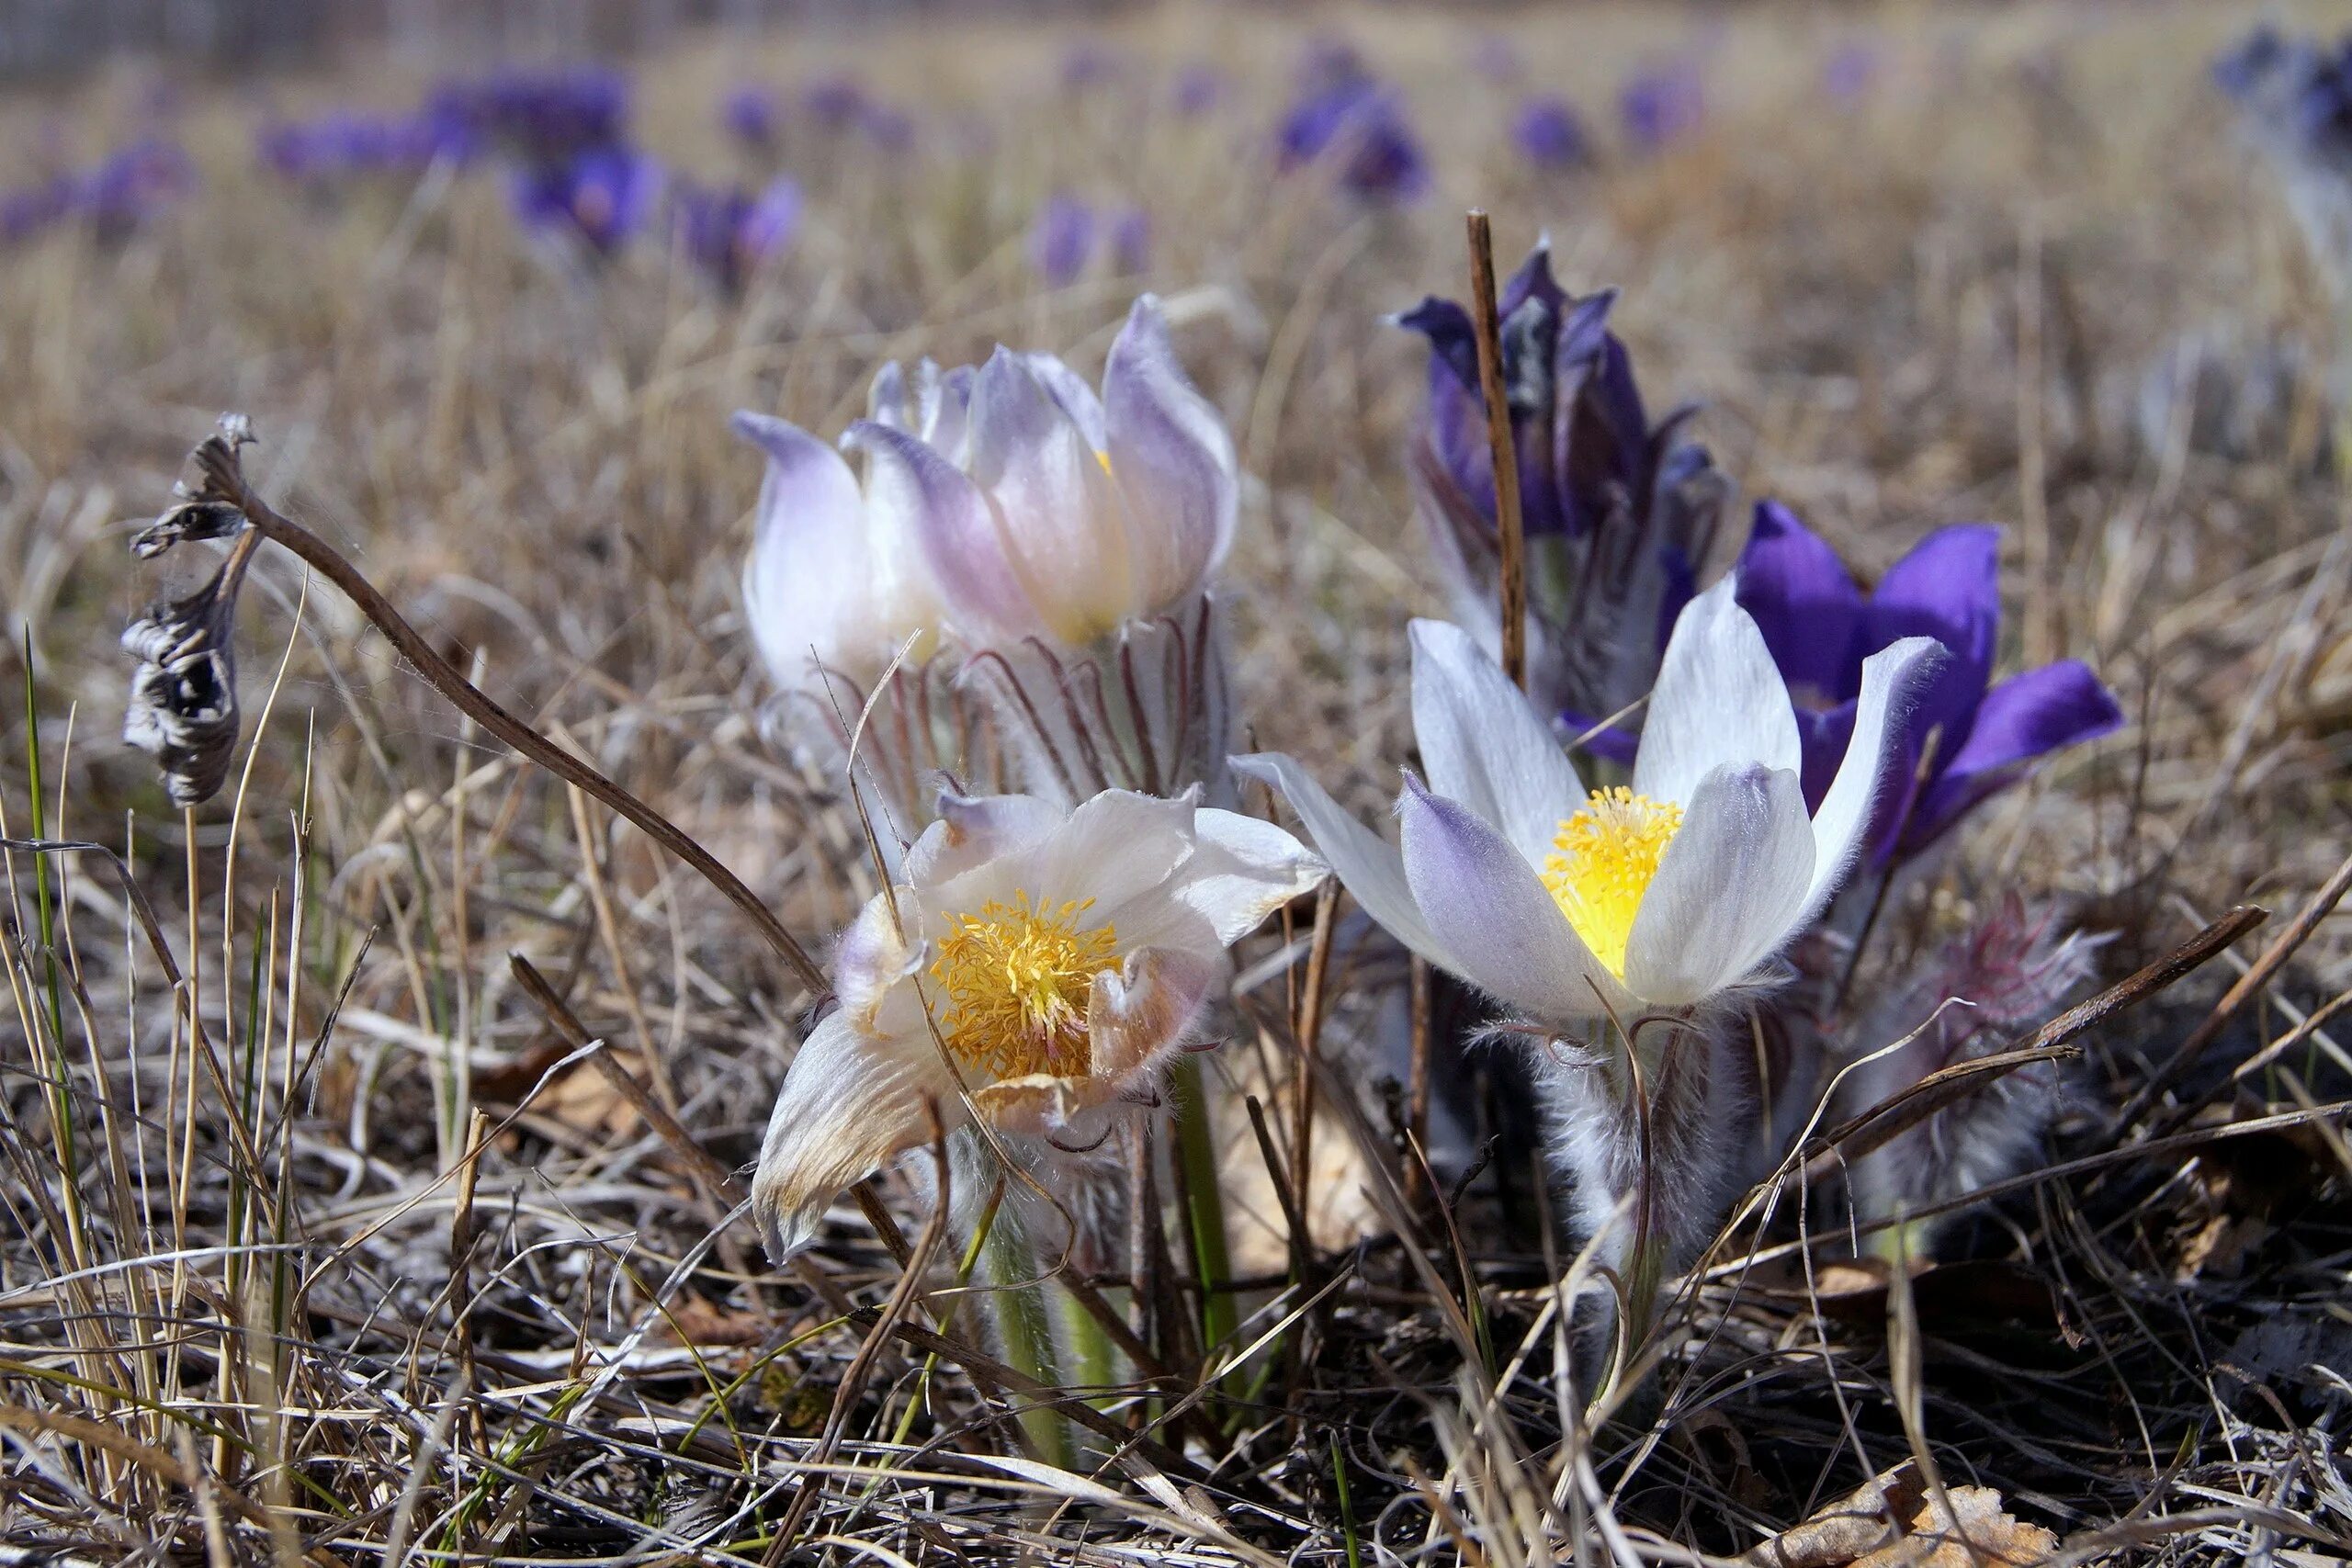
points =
(1511, 537)
(216, 457)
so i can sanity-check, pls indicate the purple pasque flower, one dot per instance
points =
(1061, 240)
(753, 114)
(340, 145)
(1618, 513)
(114, 196)
(1661, 104)
(2294, 102)
(546, 117)
(1131, 240)
(601, 197)
(1358, 129)
(1549, 134)
(728, 231)
(1969, 737)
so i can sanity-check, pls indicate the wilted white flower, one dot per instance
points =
(1622, 921)
(1035, 968)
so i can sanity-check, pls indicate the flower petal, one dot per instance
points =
(850, 1101)
(1489, 909)
(808, 583)
(1117, 849)
(1948, 588)
(1173, 461)
(1804, 601)
(928, 501)
(1482, 743)
(1147, 1008)
(1891, 680)
(1062, 527)
(1728, 891)
(975, 829)
(2023, 718)
(1362, 861)
(1241, 869)
(1069, 389)
(1718, 700)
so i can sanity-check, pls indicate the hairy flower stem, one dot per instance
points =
(1204, 1203)
(1022, 1324)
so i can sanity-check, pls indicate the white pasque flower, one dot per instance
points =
(1034, 967)
(1042, 511)
(1572, 905)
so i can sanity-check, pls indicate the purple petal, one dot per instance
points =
(1806, 606)
(2024, 718)
(1172, 458)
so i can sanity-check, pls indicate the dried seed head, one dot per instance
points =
(183, 707)
(210, 509)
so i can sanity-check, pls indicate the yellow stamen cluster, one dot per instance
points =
(1015, 981)
(1602, 862)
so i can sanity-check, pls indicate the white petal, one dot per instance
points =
(1730, 890)
(870, 958)
(1241, 869)
(1719, 699)
(1173, 461)
(920, 501)
(1056, 509)
(1140, 1014)
(1362, 861)
(1116, 848)
(808, 583)
(850, 1101)
(1077, 399)
(1891, 678)
(973, 828)
(1482, 743)
(1494, 914)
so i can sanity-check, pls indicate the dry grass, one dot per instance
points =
(320, 1242)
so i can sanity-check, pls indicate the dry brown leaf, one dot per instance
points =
(1985, 1536)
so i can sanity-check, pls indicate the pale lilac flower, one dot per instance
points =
(1035, 968)
(1061, 240)
(1548, 133)
(1626, 922)
(1662, 103)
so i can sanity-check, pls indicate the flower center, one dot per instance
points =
(1601, 862)
(1017, 980)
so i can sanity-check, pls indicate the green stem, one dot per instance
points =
(1204, 1202)
(1028, 1344)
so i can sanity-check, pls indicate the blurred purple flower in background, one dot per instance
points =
(601, 197)
(113, 197)
(1090, 63)
(753, 115)
(729, 231)
(1848, 74)
(341, 144)
(1329, 61)
(543, 116)
(836, 102)
(1358, 129)
(1200, 87)
(1968, 738)
(1061, 240)
(1619, 514)
(1131, 240)
(1497, 59)
(1549, 134)
(2294, 102)
(1661, 104)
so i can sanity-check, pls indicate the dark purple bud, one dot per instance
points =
(728, 232)
(1358, 129)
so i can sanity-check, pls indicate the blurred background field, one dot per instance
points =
(1918, 262)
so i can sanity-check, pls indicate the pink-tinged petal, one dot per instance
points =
(1491, 911)
(975, 829)
(850, 1102)
(1728, 891)
(1058, 510)
(807, 584)
(1718, 700)
(1149, 1008)
(1804, 602)
(1173, 461)
(928, 501)
(1366, 865)
(2022, 719)
(1482, 743)
(1890, 681)
(870, 958)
